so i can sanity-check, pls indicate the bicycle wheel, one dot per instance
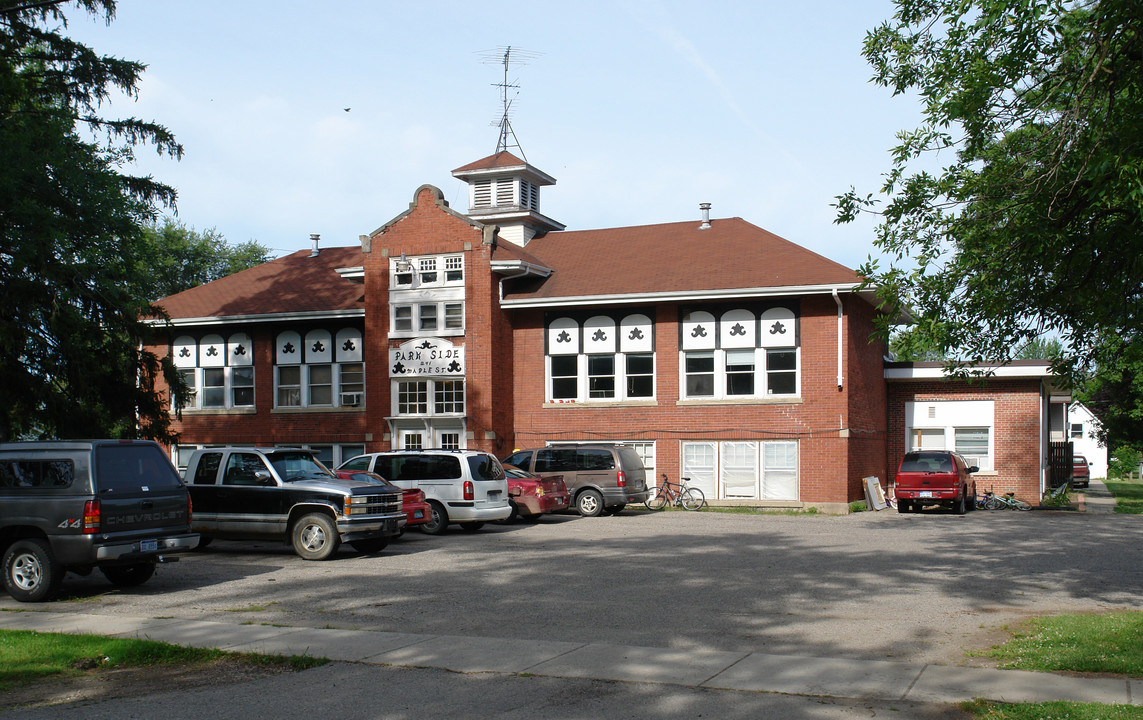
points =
(657, 500)
(1020, 505)
(692, 499)
(992, 503)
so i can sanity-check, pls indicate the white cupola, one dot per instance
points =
(504, 190)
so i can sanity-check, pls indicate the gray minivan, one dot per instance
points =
(601, 477)
(71, 505)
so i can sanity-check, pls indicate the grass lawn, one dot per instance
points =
(26, 656)
(1052, 711)
(1128, 495)
(1104, 643)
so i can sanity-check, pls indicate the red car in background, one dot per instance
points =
(531, 495)
(413, 502)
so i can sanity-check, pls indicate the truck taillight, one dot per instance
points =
(469, 491)
(190, 508)
(91, 516)
(621, 479)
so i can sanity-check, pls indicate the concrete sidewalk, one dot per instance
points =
(1096, 498)
(754, 672)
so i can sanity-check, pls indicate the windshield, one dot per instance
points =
(292, 466)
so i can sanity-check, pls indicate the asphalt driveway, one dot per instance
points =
(916, 588)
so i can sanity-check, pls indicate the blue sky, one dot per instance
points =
(641, 109)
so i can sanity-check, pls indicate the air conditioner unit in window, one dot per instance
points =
(351, 399)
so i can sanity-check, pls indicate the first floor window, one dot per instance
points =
(450, 441)
(972, 444)
(743, 469)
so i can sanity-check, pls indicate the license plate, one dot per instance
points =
(925, 494)
(149, 546)
(418, 514)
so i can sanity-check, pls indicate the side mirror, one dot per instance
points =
(263, 478)
(973, 469)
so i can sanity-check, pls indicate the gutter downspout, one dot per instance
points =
(837, 300)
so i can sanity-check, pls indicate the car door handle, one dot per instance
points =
(147, 504)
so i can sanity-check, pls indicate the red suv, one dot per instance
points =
(935, 477)
(1081, 471)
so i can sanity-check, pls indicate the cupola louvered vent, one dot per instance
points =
(482, 193)
(504, 192)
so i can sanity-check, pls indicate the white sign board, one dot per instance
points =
(426, 356)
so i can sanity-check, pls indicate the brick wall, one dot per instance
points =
(1017, 439)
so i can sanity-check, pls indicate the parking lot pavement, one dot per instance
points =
(750, 672)
(691, 598)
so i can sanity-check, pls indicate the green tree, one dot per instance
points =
(182, 258)
(1040, 349)
(1015, 209)
(72, 229)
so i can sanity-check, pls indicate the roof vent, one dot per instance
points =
(314, 238)
(705, 207)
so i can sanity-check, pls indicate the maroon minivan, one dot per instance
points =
(935, 477)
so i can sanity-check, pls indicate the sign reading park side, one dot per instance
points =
(426, 356)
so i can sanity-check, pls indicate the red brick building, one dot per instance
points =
(721, 351)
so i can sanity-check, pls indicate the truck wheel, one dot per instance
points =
(438, 520)
(31, 573)
(471, 527)
(371, 546)
(315, 537)
(589, 503)
(959, 505)
(129, 575)
(904, 506)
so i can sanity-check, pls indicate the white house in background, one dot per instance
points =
(1082, 427)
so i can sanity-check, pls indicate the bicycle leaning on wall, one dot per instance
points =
(690, 498)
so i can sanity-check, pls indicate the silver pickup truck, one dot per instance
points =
(68, 505)
(249, 493)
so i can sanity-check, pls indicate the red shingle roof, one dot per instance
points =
(498, 160)
(675, 257)
(295, 283)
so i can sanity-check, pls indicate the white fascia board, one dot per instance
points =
(352, 273)
(517, 268)
(264, 317)
(999, 371)
(675, 296)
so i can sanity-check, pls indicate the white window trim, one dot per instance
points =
(583, 381)
(430, 401)
(415, 319)
(761, 375)
(197, 390)
(335, 387)
(415, 282)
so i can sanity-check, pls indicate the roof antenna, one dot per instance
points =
(507, 55)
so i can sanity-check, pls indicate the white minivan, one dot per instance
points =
(462, 486)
